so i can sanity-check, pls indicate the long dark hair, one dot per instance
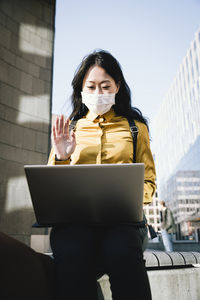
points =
(112, 67)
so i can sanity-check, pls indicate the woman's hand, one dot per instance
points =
(64, 142)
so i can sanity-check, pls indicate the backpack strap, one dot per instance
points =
(134, 133)
(72, 125)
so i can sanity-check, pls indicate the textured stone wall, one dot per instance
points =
(26, 49)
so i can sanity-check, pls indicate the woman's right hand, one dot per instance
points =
(64, 142)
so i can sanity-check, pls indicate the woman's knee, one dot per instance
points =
(122, 246)
(72, 241)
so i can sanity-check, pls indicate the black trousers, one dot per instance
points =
(81, 252)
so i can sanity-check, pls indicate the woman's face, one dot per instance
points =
(97, 81)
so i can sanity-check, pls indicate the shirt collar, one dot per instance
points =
(107, 116)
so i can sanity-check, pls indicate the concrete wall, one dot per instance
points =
(173, 284)
(26, 49)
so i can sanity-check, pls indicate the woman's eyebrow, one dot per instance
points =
(100, 82)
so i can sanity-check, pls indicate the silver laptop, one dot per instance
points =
(100, 194)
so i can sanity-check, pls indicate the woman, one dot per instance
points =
(102, 106)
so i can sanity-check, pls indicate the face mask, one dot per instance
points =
(98, 103)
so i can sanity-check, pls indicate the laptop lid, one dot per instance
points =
(101, 194)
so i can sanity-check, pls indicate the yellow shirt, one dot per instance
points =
(107, 139)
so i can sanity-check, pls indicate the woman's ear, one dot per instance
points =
(118, 86)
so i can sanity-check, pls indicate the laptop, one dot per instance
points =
(90, 194)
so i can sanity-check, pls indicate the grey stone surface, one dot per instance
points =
(26, 83)
(3, 70)
(151, 259)
(177, 259)
(34, 70)
(197, 256)
(45, 74)
(172, 284)
(38, 86)
(163, 258)
(14, 77)
(12, 25)
(175, 284)
(26, 43)
(5, 39)
(189, 258)
(156, 259)
(2, 19)
(7, 56)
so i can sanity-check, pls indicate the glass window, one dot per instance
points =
(197, 66)
(192, 72)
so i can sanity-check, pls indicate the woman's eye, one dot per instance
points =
(106, 87)
(90, 87)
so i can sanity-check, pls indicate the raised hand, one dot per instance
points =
(64, 142)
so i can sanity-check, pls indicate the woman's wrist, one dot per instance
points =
(61, 158)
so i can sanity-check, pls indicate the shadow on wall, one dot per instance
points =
(26, 46)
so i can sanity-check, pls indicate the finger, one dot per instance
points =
(66, 128)
(54, 133)
(61, 123)
(57, 124)
(72, 136)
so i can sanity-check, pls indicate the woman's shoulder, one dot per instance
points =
(142, 130)
(141, 126)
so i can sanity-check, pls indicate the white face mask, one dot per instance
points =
(98, 103)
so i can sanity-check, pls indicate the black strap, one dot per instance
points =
(72, 125)
(134, 132)
(133, 129)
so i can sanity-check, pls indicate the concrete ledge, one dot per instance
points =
(175, 284)
(40, 242)
(155, 259)
(172, 275)
(172, 284)
(159, 259)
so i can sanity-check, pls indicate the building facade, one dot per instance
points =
(183, 194)
(177, 137)
(152, 213)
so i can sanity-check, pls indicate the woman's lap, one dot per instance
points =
(97, 245)
(114, 250)
(87, 238)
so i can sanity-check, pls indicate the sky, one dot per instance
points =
(149, 38)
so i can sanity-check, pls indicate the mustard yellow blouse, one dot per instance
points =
(107, 139)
